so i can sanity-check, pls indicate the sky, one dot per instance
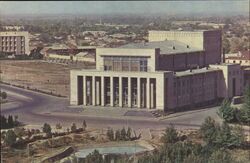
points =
(119, 7)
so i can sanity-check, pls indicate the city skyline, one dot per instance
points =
(230, 7)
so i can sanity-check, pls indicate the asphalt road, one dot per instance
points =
(35, 109)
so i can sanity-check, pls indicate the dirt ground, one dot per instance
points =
(48, 77)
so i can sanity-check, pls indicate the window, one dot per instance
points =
(128, 63)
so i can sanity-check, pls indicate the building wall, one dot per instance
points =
(213, 47)
(14, 42)
(154, 87)
(210, 41)
(194, 39)
(150, 53)
(242, 62)
(195, 89)
(230, 73)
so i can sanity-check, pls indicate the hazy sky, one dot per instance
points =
(140, 7)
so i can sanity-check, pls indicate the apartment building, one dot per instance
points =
(16, 43)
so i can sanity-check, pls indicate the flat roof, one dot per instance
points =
(166, 47)
(195, 71)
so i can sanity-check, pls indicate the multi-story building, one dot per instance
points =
(16, 43)
(167, 73)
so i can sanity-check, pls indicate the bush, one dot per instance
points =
(47, 129)
(245, 112)
(73, 127)
(3, 95)
(220, 156)
(10, 137)
(227, 112)
(170, 135)
(110, 134)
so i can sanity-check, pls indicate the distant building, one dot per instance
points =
(175, 70)
(242, 58)
(16, 43)
(65, 53)
(13, 28)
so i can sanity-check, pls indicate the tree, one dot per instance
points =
(110, 134)
(95, 156)
(3, 95)
(209, 130)
(129, 133)
(10, 121)
(170, 135)
(227, 112)
(84, 125)
(47, 129)
(117, 135)
(10, 137)
(220, 156)
(245, 112)
(123, 134)
(73, 127)
(4, 124)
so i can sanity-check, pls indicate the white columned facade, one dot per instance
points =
(102, 91)
(148, 93)
(138, 92)
(84, 90)
(120, 91)
(129, 92)
(111, 91)
(93, 91)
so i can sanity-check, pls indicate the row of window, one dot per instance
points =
(115, 63)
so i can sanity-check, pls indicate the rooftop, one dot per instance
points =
(166, 47)
(195, 71)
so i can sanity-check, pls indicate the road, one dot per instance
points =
(35, 109)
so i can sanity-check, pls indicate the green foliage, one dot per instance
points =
(209, 130)
(128, 134)
(245, 112)
(3, 95)
(19, 132)
(227, 112)
(10, 121)
(170, 135)
(73, 127)
(46, 129)
(220, 156)
(94, 157)
(10, 137)
(84, 125)
(110, 134)
(117, 135)
(123, 134)
(221, 136)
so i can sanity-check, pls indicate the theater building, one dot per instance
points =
(162, 74)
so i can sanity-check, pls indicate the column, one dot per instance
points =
(138, 92)
(102, 91)
(129, 92)
(93, 91)
(120, 91)
(98, 92)
(152, 95)
(111, 91)
(148, 93)
(84, 91)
